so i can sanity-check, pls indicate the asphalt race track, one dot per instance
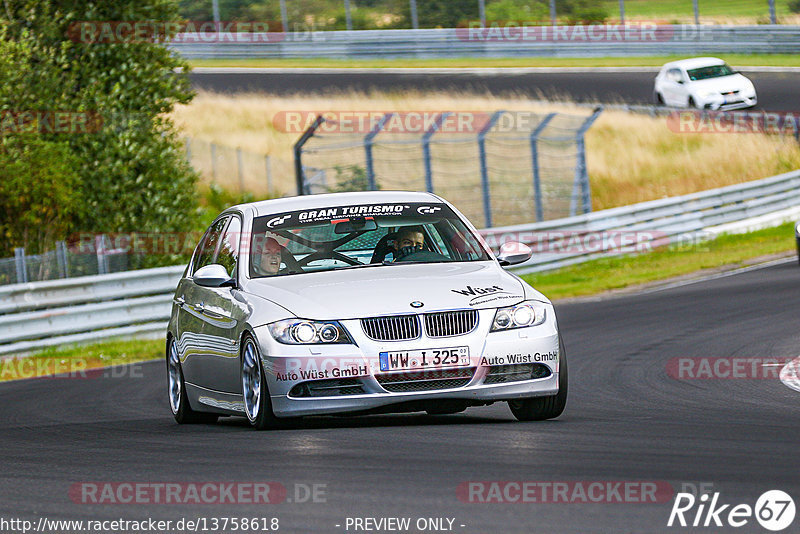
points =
(777, 91)
(626, 420)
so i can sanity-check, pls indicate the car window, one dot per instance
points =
(674, 75)
(346, 237)
(229, 246)
(712, 71)
(208, 246)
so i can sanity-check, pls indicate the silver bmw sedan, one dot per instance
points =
(357, 303)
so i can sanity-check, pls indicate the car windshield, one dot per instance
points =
(712, 71)
(349, 237)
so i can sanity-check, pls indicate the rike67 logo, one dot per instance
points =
(774, 510)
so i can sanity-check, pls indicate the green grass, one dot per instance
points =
(624, 271)
(678, 9)
(74, 360)
(770, 60)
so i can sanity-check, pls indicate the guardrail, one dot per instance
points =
(647, 224)
(538, 41)
(42, 314)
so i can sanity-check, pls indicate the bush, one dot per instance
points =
(583, 11)
(443, 13)
(130, 173)
(794, 6)
(517, 11)
(39, 194)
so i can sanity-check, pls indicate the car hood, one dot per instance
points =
(390, 289)
(723, 84)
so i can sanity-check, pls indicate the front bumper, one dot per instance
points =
(289, 367)
(728, 103)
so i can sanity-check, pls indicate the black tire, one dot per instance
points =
(550, 407)
(264, 416)
(659, 99)
(183, 412)
(692, 103)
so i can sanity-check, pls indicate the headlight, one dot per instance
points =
(519, 316)
(303, 332)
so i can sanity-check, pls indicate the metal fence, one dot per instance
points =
(353, 15)
(63, 262)
(235, 168)
(567, 41)
(499, 168)
(42, 314)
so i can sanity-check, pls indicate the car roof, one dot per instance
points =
(695, 62)
(278, 205)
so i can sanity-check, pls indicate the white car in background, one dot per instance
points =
(703, 83)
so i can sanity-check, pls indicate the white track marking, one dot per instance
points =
(725, 274)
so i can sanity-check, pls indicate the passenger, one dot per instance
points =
(269, 262)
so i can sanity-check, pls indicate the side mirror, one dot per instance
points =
(513, 253)
(213, 275)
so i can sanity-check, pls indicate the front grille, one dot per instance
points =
(328, 388)
(426, 380)
(452, 323)
(391, 328)
(501, 374)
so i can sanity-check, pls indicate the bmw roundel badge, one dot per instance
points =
(417, 304)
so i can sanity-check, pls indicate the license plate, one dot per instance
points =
(424, 359)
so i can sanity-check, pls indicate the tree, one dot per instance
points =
(444, 13)
(39, 194)
(132, 172)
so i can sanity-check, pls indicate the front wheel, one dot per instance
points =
(176, 388)
(257, 404)
(550, 407)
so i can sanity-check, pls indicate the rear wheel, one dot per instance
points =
(257, 404)
(692, 103)
(659, 99)
(176, 388)
(541, 408)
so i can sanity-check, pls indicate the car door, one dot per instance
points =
(675, 93)
(222, 315)
(193, 344)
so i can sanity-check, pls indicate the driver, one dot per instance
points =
(268, 263)
(410, 239)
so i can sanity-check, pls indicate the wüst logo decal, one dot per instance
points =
(482, 295)
(477, 291)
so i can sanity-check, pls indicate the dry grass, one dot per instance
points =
(631, 158)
